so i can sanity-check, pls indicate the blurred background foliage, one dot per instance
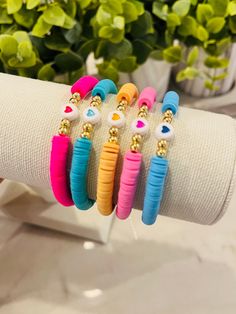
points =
(42, 38)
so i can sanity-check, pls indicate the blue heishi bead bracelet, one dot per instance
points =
(159, 164)
(83, 145)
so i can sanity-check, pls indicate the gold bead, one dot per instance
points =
(137, 138)
(97, 99)
(63, 131)
(144, 108)
(162, 144)
(113, 139)
(88, 127)
(161, 152)
(120, 108)
(73, 101)
(86, 135)
(113, 131)
(142, 114)
(167, 119)
(76, 96)
(135, 147)
(168, 113)
(65, 123)
(124, 102)
(94, 104)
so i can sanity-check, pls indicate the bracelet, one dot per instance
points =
(61, 142)
(159, 164)
(83, 145)
(110, 150)
(133, 158)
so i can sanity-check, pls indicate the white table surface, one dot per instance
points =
(173, 267)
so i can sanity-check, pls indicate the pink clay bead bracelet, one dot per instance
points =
(133, 159)
(61, 143)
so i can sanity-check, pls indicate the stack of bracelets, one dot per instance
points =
(70, 186)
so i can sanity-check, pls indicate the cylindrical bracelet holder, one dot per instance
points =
(202, 159)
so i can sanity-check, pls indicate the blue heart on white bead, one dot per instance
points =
(165, 129)
(90, 113)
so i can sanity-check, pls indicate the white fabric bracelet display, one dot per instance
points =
(201, 160)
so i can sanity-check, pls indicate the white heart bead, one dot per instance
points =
(69, 111)
(140, 126)
(91, 115)
(116, 118)
(164, 131)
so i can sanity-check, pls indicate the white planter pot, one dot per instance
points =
(196, 87)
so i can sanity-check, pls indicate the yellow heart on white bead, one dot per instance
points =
(116, 118)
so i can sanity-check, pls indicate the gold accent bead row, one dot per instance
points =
(137, 138)
(113, 131)
(122, 105)
(64, 127)
(88, 127)
(162, 145)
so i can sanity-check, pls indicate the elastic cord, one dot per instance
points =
(154, 189)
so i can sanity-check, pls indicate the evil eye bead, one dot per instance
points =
(70, 112)
(164, 131)
(116, 118)
(91, 115)
(140, 126)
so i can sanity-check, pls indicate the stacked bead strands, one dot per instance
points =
(159, 163)
(133, 158)
(61, 142)
(110, 151)
(83, 145)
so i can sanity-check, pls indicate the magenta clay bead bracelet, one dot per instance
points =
(60, 143)
(133, 158)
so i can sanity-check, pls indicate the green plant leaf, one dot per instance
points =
(173, 54)
(232, 24)
(88, 46)
(143, 26)
(4, 17)
(73, 35)
(119, 22)
(54, 15)
(46, 73)
(220, 77)
(202, 33)
(216, 62)
(108, 70)
(231, 8)
(210, 85)
(57, 42)
(25, 17)
(192, 56)
(69, 22)
(105, 32)
(138, 5)
(113, 6)
(84, 3)
(219, 6)
(41, 28)
(25, 63)
(160, 10)
(157, 54)
(141, 50)
(103, 17)
(173, 20)
(68, 61)
(188, 26)
(30, 4)
(215, 24)
(128, 64)
(8, 45)
(25, 49)
(120, 50)
(181, 7)
(13, 6)
(204, 12)
(21, 36)
(130, 12)
(189, 73)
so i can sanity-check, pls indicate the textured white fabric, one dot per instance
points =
(202, 159)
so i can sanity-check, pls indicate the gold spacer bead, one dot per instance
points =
(65, 123)
(86, 135)
(135, 147)
(94, 104)
(97, 99)
(113, 139)
(76, 96)
(63, 131)
(113, 131)
(73, 101)
(88, 127)
(169, 113)
(144, 108)
(142, 114)
(120, 108)
(124, 102)
(167, 119)
(161, 152)
(137, 138)
(162, 144)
